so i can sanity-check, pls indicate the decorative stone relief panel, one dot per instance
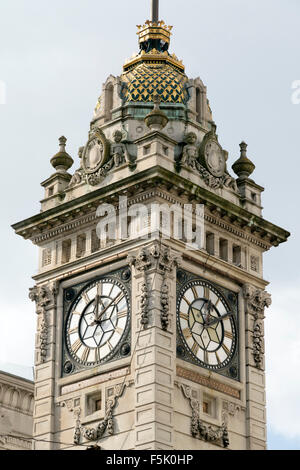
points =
(45, 299)
(201, 430)
(256, 302)
(107, 424)
(159, 258)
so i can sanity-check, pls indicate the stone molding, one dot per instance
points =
(90, 218)
(15, 442)
(25, 397)
(207, 382)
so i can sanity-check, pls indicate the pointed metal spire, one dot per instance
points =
(154, 11)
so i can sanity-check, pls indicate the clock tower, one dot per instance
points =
(150, 295)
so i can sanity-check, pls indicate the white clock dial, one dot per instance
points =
(97, 321)
(206, 324)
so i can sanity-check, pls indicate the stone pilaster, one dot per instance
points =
(43, 413)
(154, 327)
(255, 302)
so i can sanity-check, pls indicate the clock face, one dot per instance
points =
(206, 324)
(97, 321)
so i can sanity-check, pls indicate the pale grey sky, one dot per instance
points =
(54, 57)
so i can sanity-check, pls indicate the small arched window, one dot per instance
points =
(198, 105)
(109, 101)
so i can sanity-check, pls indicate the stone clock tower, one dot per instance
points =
(146, 340)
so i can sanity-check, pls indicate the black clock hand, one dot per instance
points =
(98, 320)
(216, 320)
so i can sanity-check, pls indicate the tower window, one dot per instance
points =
(66, 251)
(210, 243)
(46, 257)
(94, 403)
(223, 249)
(95, 241)
(109, 102)
(147, 149)
(198, 105)
(237, 255)
(50, 191)
(205, 407)
(81, 245)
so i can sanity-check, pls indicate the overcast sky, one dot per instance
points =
(54, 57)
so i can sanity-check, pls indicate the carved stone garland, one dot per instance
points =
(213, 182)
(107, 424)
(156, 256)
(256, 301)
(45, 298)
(164, 301)
(201, 430)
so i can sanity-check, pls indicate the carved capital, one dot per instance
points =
(154, 256)
(256, 301)
(44, 296)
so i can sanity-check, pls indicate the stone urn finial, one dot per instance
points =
(156, 120)
(62, 160)
(243, 167)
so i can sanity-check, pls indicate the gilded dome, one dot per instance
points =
(147, 79)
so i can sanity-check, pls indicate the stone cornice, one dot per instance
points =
(268, 233)
(207, 382)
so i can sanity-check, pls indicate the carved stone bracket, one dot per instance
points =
(215, 434)
(107, 424)
(157, 257)
(45, 299)
(256, 301)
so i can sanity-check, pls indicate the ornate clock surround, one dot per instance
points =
(232, 368)
(71, 365)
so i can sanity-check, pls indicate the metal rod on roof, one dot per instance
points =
(154, 10)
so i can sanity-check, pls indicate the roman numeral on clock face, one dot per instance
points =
(226, 349)
(76, 345)
(184, 316)
(195, 348)
(187, 333)
(206, 292)
(85, 354)
(228, 334)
